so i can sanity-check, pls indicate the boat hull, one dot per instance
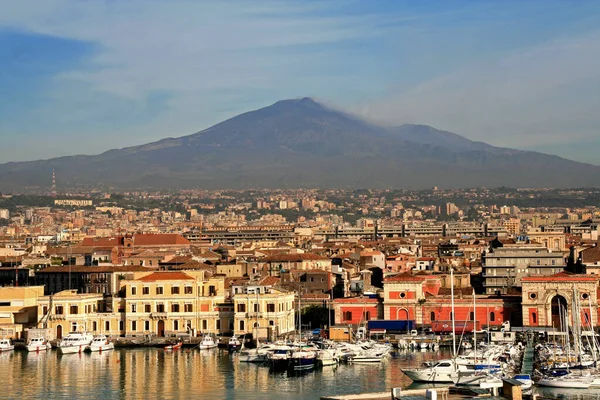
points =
(428, 376)
(41, 347)
(72, 349)
(105, 347)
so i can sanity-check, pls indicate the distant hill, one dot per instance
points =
(301, 143)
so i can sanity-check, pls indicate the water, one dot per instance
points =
(213, 374)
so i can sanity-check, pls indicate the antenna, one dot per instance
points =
(53, 194)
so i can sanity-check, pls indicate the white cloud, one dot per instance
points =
(540, 96)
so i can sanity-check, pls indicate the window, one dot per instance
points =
(367, 315)
(133, 290)
(241, 308)
(159, 290)
(451, 315)
(134, 326)
(94, 326)
(73, 310)
(348, 316)
(472, 316)
(133, 308)
(160, 307)
(402, 295)
(242, 327)
(188, 308)
(121, 326)
(492, 317)
(44, 310)
(188, 290)
(146, 325)
(107, 326)
(147, 308)
(73, 326)
(270, 307)
(256, 307)
(533, 318)
(175, 325)
(145, 290)
(175, 307)
(175, 290)
(432, 316)
(271, 323)
(204, 324)
(218, 324)
(212, 291)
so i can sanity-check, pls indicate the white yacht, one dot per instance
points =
(234, 343)
(567, 381)
(6, 345)
(101, 343)
(207, 343)
(436, 371)
(38, 344)
(75, 342)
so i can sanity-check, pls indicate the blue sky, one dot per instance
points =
(87, 76)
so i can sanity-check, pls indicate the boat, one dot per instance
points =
(173, 347)
(567, 381)
(6, 345)
(327, 357)
(38, 344)
(207, 343)
(101, 343)
(525, 379)
(279, 358)
(75, 342)
(234, 343)
(302, 360)
(437, 371)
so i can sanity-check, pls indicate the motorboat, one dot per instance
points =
(436, 371)
(207, 343)
(75, 342)
(367, 357)
(38, 344)
(234, 343)
(101, 343)
(6, 345)
(568, 381)
(327, 357)
(279, 358)
(172, 347)
(302, 360)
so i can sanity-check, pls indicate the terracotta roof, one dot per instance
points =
(166, 276)
(404, 277)
(293, 257)
(561, 276)
(590, 255)
(81, 268)
(159, 239)
(269, 281)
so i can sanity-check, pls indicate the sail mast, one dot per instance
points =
(452, 300)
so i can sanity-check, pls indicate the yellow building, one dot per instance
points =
(263, 310)
(69, 311)
(174, 303)
(18, 309)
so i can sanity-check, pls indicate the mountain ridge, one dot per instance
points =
(302, 143)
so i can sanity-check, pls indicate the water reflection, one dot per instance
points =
(156, 374)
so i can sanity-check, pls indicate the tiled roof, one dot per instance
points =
(269, 281)
(293, 257)
(561, 276)
(404, 277)
(166, 276)
(590, 255)
(94, 269)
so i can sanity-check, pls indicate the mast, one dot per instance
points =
(453, 316)
(474, 326)
(594, 345)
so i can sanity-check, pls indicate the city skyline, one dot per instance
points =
(82, 78)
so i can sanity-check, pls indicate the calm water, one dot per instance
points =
(213, 374)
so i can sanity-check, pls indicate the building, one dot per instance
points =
(18, 310)
(546, 299)
(263, 310)
(174, 303)
(504, 267)
(273, 265)
(356, 310)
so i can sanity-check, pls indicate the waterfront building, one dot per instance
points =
(263, 310)
(18, 309)
(174, 303)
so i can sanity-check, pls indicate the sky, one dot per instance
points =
(82, 77)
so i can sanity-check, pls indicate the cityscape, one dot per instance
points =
(300, 199)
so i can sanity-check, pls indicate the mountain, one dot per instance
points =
(301, 143)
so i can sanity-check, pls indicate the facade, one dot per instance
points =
(504, 267)
(173, 303)
(545, 298)
(18, 309)
(356, 310)
(273, 265)
(69, 311)
(263, 310)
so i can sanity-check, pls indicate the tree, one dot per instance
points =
(315, 315)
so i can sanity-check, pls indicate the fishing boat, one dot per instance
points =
(173, 347)
(234, 343)
(101, 343)
(75, 342)
(6, 345)
(207, 343)
(38, 344)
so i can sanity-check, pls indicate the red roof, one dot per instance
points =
(561, 276)
(404, 277)
(166, 276)
(293, 257)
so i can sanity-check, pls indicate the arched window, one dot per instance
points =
(433, 316)
(472, 316)
(492, 316)
(348, 315)
(533, 318)
(367, 315)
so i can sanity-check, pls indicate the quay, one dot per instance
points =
(414, 394)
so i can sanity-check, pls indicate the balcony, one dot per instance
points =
(159, 315)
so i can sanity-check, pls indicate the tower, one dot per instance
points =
(53, 194)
